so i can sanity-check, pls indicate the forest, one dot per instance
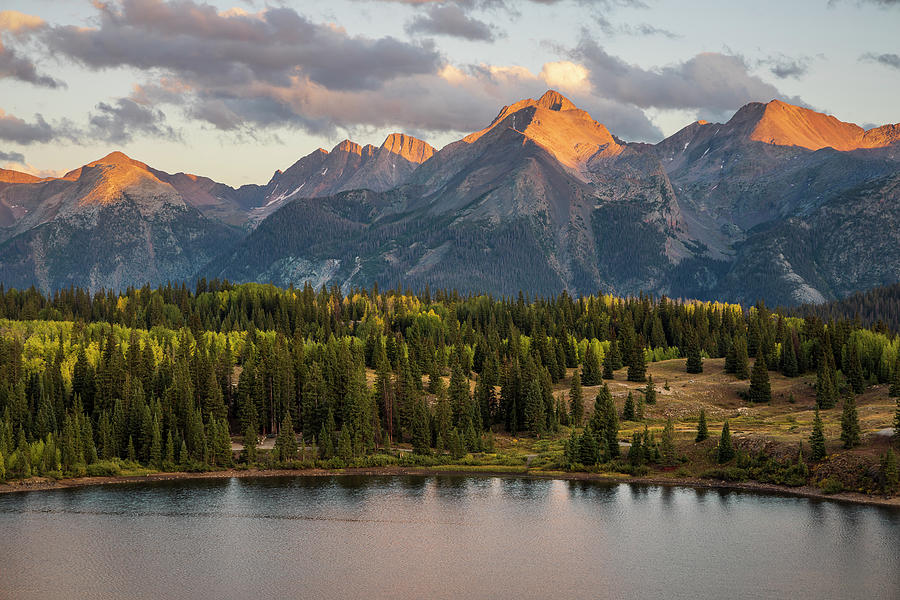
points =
(185, 379)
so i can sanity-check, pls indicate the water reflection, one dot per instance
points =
(439, 537)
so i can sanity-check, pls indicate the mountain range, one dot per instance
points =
(780, 203)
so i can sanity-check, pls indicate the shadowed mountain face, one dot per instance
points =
(780, 203)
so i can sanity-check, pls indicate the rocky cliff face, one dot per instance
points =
(111, 223)
(780, 203)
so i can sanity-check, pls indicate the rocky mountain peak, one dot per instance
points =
(408, 147)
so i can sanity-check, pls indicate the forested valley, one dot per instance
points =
(253, 376)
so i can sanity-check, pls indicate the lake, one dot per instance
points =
(439, 537)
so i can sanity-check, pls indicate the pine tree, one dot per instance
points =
(636, 451)
(667, 443)
(345, 445)
(817, 438)
(286, 440)
(156, 446)
(628, 408)
(894, 390)
(650, 391)
(576, 400)
(826, 392)
(249, 442)
(608, 358)
(760, 389)
(694, 362)
(590, 370)
(854, 370)
(850, 422)
(170, 451)
(183, 456)
(726, 448)
(702, 429)
(637, 368)
(421, 435)
(788, 357)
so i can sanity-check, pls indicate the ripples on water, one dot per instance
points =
(439, 537)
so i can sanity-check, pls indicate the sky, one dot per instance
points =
(235, 89)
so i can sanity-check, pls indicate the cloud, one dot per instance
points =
(888, 60)
(784, 67)
(120, 121)
(14, 66)
(193, 41)
(709, 81)
(18, 131)
(16, 157)
(451, 20)
(16, 22)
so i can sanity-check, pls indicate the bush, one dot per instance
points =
(830, 485)
(104, 468)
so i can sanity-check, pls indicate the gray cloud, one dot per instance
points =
(784, 67)
(15, 66)
(709, 81)
(18, 131)
(452, 20)
(120, 121)
(888, 60)
(16, 157)
(194, 41)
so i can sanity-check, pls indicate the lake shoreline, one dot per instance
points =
(41, 483)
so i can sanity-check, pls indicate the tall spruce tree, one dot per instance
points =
(850, 433)
(854, 370)
(628, 408)
(637, 366)
(725, 450)
(702, 429)
(576, 400)
(650, 391)
(760, 388)
(667, 444)
(694, 362)
(590, 369)
(608, 358)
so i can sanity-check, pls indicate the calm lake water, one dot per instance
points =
(439, 537)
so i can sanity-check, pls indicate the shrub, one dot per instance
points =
(831, 485)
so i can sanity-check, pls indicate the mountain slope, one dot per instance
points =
(111, 223)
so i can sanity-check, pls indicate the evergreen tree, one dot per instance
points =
(667, 443)
(637, 368)
(850, 422)
(726, 449)
(576, 400)
(421, 435)
(156, 446)
(588, 449)
(789, 367)
(650, 391)
(694, 362)
(249, 442)
(608, 358)
(760, 389)
(286, 441)
(894, 390)
(345, 445)
(897, 422)
(183, 456)
(702, 430)
(628, 408)
(854, 371)
(590, 369)
(170, 451)
(636, 451)
(826, 389)
(817, 438)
